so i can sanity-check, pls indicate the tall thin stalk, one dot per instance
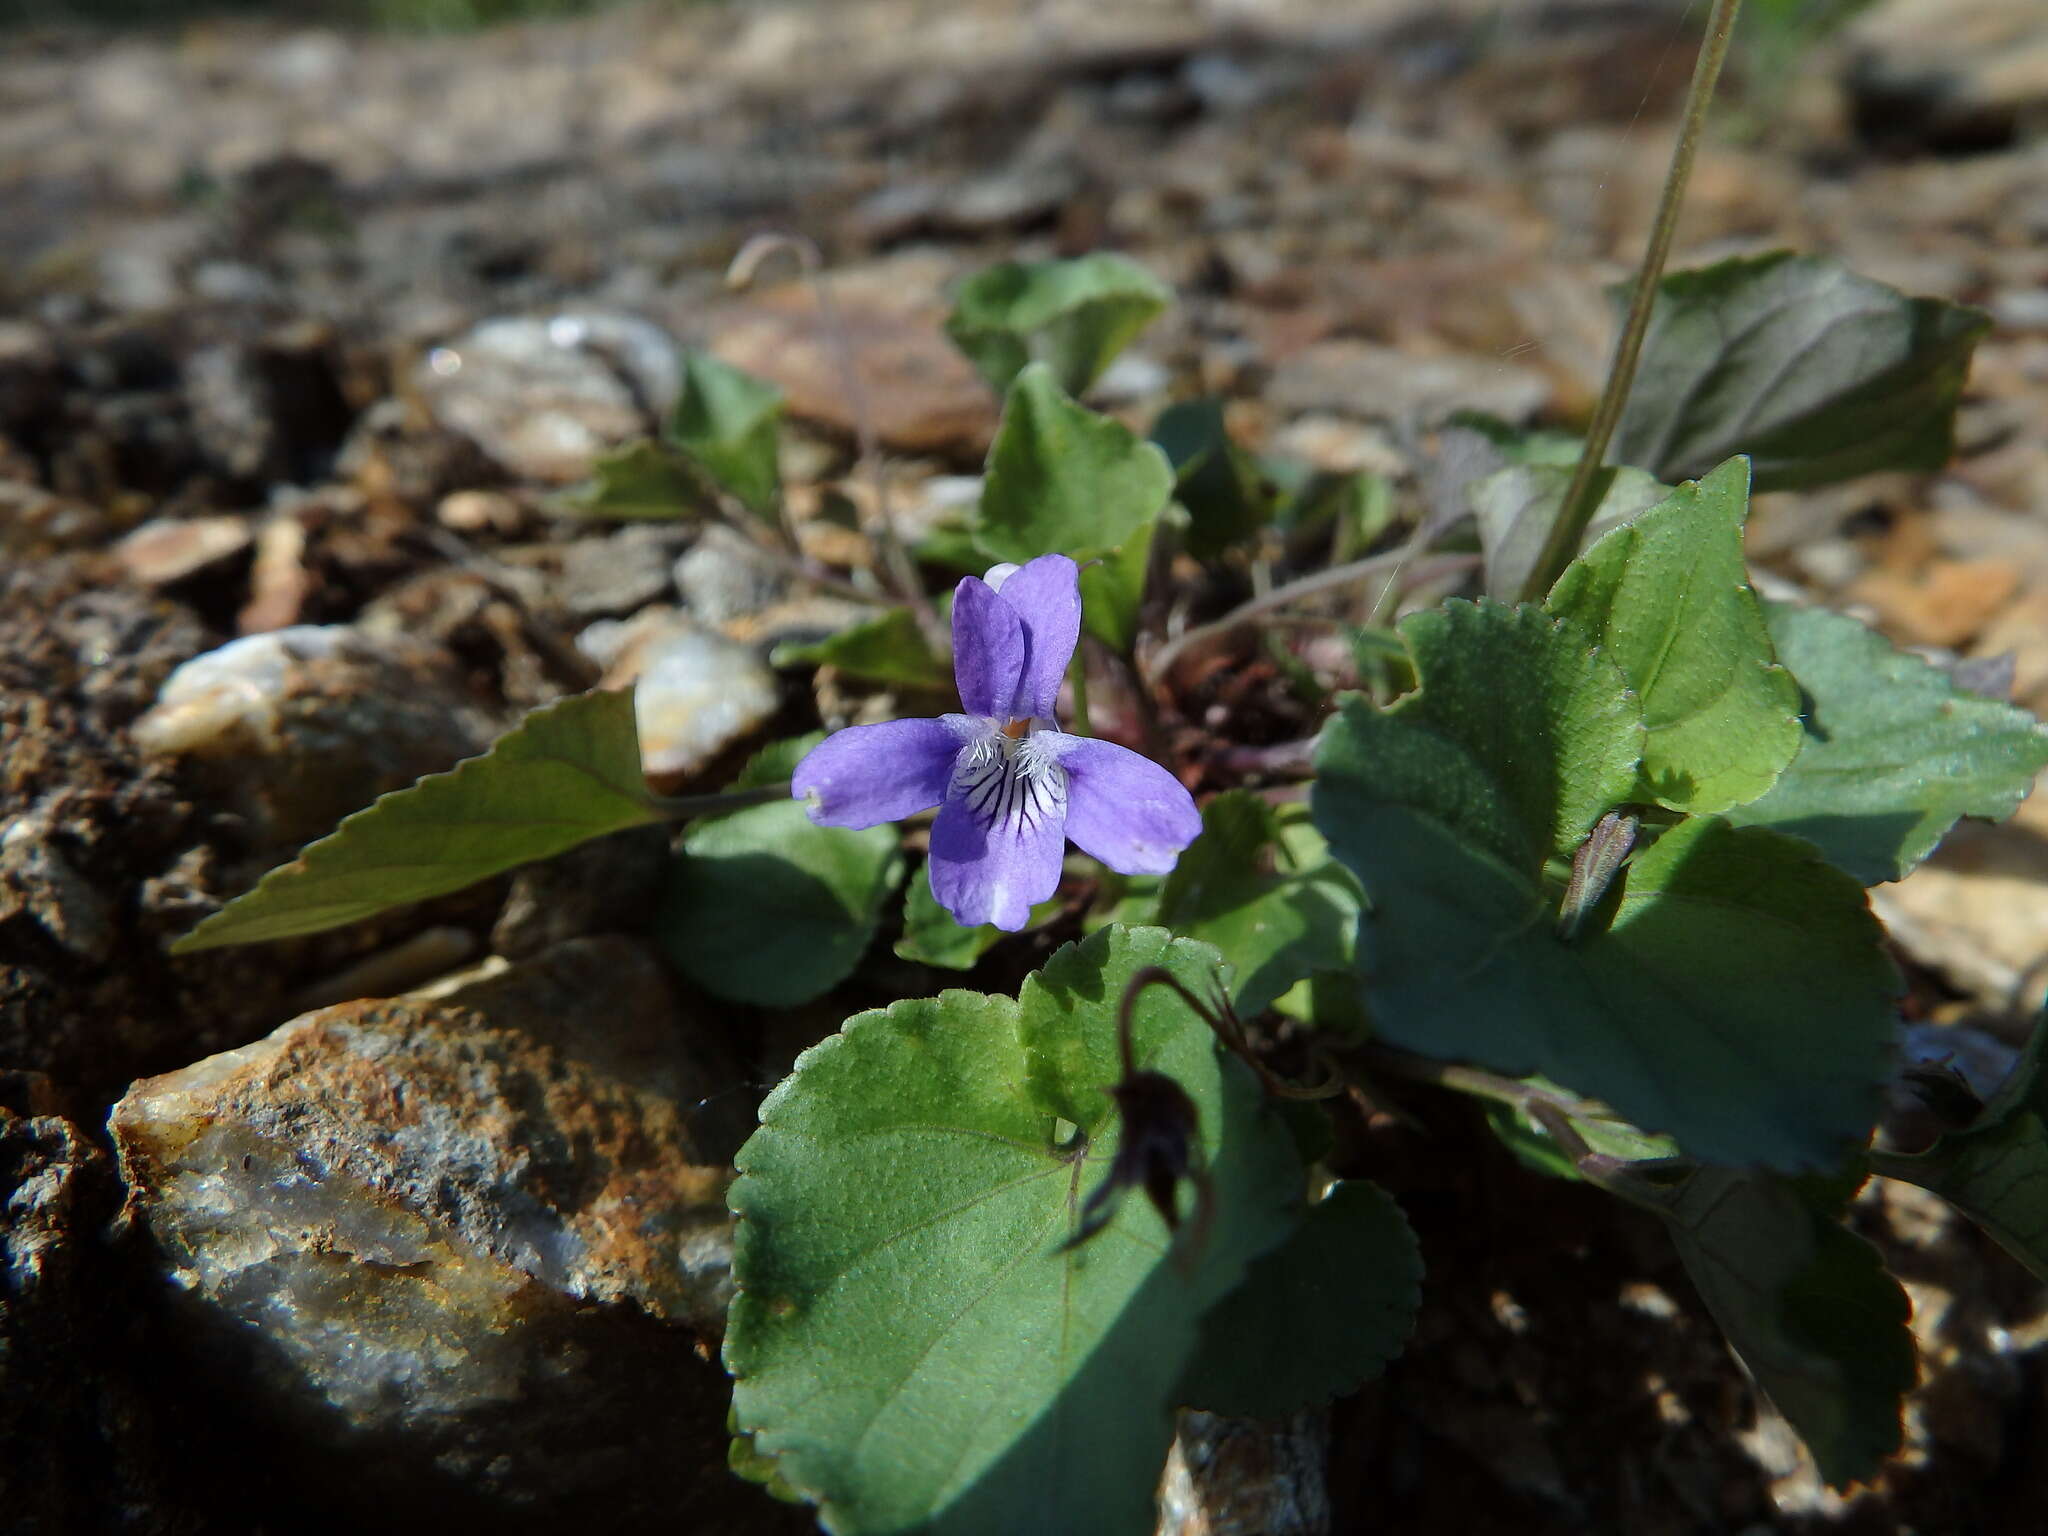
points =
(1580, 499)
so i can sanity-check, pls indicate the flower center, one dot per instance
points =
(1008, 783)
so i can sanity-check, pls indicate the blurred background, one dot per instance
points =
(325, 313)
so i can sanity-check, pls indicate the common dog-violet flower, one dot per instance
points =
(1011, 789)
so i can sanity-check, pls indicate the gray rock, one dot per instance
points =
(298, 727)
(617, 573)
(1360, 380)
(543, 397)
(458, 1249)
(726, 576)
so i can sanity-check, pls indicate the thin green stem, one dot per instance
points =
(1580, 497)
(684, 807)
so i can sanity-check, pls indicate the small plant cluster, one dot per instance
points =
(1592, 845)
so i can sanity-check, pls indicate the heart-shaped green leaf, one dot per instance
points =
(763, 906)
(1817, 374)
(1318, 1316)
(1074, 316)
(1732, 989)
(931, 936)
(568, 773)
(1666, 597)
(912, 1348)
(1894, 753)
(1063, 479)
(1515, 507)
(726, 421)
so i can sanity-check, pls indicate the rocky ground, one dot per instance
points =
(306, 330)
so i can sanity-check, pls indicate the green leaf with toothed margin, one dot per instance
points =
(1666, 597)
(1731, 991)
(911, 1347)
(566, 774)
(1074, 316)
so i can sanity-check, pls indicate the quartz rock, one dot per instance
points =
(543, 397)
(457, 1249)
(301, 726)
(695, 693)
(726, 576)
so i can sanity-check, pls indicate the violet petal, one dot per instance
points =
(988, 649)
(1124, 809)
(998, 842)
(868, 774)
(1046, 593)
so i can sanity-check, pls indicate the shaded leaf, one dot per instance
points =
(1809, 1308)
(1817, 374)
(1996, 1172)
(1217, 481)
(1074, 316)
(1894, 752)
(1269, 897)
(1316, 1317)
(1113, 589)
(726, 421)
(1666, 597)
(762, 906)
(1732, 991)
(1516, 506)
(1063, 479)
(568, 773)
(888, 648)
(640, 482)
(910, 1346)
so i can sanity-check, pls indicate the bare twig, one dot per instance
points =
(898, 568)
(1426, 569)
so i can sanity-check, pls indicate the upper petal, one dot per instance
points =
(1124, 809)
(1046, 593)
(868, 774)
(988, 649)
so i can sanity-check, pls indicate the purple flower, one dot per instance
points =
(1010, 789)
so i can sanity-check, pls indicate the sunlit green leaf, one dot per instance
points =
(1817, 374)
(1894, 753)
(1268, 896)
(1075, 316)
(888, 648)
(1733, 990)
(911, 1347)
(1318, 1316)
(726, 421)
(569, 773)
(1113, 589)
(1667, 598)
(1063, 479)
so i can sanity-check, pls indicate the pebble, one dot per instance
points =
(542, 397)
(726, 576)
(695, 693)
(168, 549)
